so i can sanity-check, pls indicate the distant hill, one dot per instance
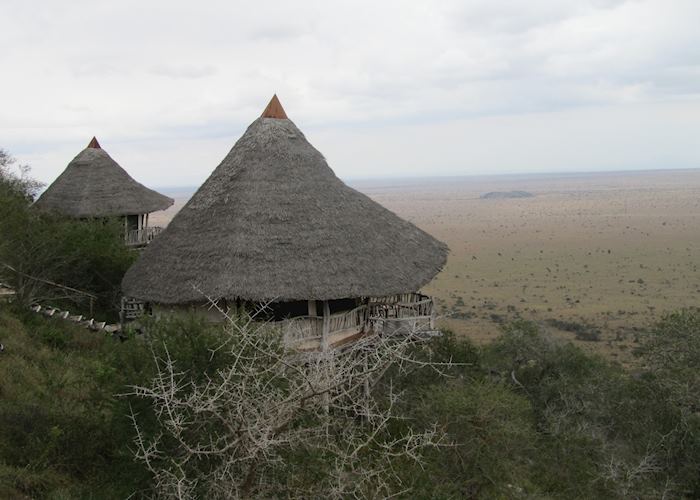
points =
(498, 195)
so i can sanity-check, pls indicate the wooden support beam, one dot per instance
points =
(325, 340)
(325, 345)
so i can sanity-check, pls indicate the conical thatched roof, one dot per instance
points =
(94, 185)
(273, 222)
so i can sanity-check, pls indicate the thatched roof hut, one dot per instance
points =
(273, 222)
(94, 185)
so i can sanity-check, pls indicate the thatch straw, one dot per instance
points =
(94, 185)
(273, 222)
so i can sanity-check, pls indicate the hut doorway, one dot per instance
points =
(133, 223)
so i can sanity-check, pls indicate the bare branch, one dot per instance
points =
(233, 433)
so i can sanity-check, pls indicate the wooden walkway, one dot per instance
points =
(7, 294)
(91, 323)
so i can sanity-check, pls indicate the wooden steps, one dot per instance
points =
(91, 324)
(55, 312)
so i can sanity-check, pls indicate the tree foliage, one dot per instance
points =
(524, 417)
(39, 248)
(15, 179)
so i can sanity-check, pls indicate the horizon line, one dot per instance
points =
(473, 175)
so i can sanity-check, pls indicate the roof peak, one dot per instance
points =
(274, 109)
(94, 144)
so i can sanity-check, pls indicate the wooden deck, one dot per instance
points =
(381, 316)
(384, 316)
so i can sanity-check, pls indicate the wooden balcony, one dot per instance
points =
(385, 315)
(405, 312)
(395, 315)
(306, 332)
(142, 237)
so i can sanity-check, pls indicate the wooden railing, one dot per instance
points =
(305, 328)
(137, 237)
(388, 315)
(397, 314)
(399, 298)
(302, 328)
(407, 305)
(91, 298)
(351, 319)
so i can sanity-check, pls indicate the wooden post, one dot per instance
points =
(325, 344)
(325, 340)
(312, 308)
(122, 316)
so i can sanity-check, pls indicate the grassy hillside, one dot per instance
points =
(63, 432)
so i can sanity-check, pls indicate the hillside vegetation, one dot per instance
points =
(63, 431)
(38, 248)
(525, 416)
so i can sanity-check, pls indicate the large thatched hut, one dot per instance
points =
(274, 225)
(93, 185)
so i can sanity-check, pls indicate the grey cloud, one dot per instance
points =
(184, 71)
(133, 70)
(279, 31)
(515, 17)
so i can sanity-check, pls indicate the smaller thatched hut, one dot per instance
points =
(274, 225)
(93, 185)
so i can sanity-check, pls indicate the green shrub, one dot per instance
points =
(582, 331)
(671, 390)
(491, 438)
(608, 432)
(40, 247)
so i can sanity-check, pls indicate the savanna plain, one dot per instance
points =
(591, 257)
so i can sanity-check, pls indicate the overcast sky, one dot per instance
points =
(390, 88)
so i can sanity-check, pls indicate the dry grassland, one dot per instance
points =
(591, 257)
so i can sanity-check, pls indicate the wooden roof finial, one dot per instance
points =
(94, 144)
(274, 109)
